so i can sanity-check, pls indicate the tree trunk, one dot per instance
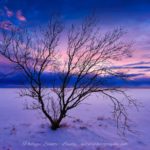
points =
(55, 125)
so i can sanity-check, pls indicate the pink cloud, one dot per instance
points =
(7, 25)
(9, 12)
(20, 16)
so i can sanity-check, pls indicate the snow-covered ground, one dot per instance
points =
(90, 126)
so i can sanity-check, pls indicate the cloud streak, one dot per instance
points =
(8, 12)
(20, 16)
(138, 63)
(132, 67)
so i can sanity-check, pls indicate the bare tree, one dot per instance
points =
(80, 72)
(32, 53)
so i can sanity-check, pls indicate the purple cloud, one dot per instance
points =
(138, 63)
(8, 12)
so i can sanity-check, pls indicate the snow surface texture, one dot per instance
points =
(90, 126)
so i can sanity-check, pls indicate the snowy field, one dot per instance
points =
(90, 126)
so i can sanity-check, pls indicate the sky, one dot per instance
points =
(132, 15)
